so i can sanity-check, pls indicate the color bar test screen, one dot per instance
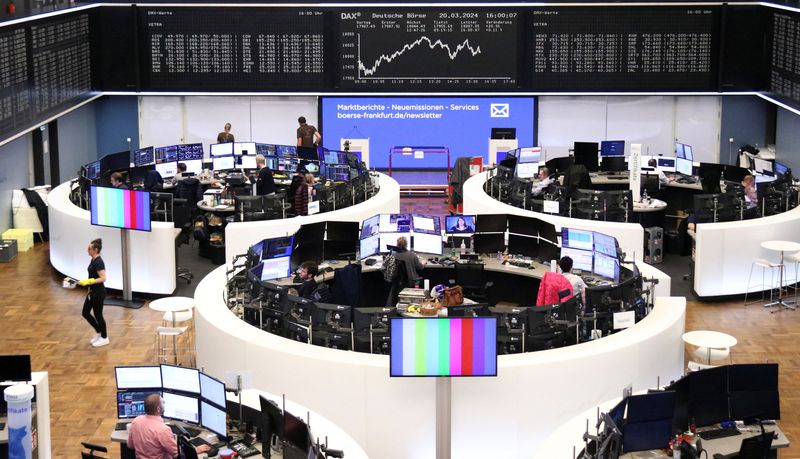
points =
(120, 208)
(444, 347)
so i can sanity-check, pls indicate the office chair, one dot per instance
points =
(92, 450)
(161, 207)
(470, 276)
(249, 208)
(651, 184)
(185, 449)
(709, 180)
(190, 190)
(577, 177)
(183, 216)
(541, 334)
(400, 282)
(757, 447)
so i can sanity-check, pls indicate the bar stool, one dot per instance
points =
(163, 350)
(793, 258)
(176, 309)
(180, 317)
(764, 265)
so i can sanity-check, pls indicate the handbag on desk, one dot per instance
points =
(453, 296)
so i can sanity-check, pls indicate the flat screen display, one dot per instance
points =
(247, 162)
(612, 148)
(527, 170)
(244, 148)
(286, 150)
(143, 156)
(370, 246)
(223, 163)
(666, 164)
(387, 239)
(138, 377)
(166, 154)
(15, 367)
(762, 166)
(577, 239)
(131, 403)
(606, 266)
(213, 418)
(780, 168)
(167, 170)
(459, 224)
(195, 166)
(190, 151)
(426, 224)
(180, 378)
(276, 268)
(120, 208)
(427, 243)
(687, 152)
(221, 149)
(395, 223)
(529, 155)
(581, 259)
(443, 346)
(212, 390)
(92, 170)
(605, 244)
(278, 247)
(683, 166)
(181, 407)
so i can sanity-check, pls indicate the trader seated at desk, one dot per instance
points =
(578, 285)
(308, 271)
(150, 437)
(181, 174)
(544, 181)
(117, 181)
(662, 178)
(750, 193)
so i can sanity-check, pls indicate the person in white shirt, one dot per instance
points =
(662, 178)
(544, 181)
(578, 285)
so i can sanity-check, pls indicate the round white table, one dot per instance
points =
(709, 340)
(782, 247)
(651, 205)
(173, 305)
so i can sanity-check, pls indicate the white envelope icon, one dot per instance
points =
(499, 110)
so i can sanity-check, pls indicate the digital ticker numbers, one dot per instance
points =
(468, 49)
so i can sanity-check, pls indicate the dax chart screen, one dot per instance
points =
(428, 49)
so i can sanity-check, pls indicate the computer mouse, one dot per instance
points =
(328, 269)
(213, 452)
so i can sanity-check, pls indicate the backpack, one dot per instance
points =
(389, 268)
(322, 294)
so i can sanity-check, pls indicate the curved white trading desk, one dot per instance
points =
(724, 252)
(477, 202)
(240, 236)
(152, 253)
(506, 416)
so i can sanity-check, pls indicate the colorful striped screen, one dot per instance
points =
(444, 347)
(120, 208)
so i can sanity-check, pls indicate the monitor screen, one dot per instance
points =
(586, 154)
(443, 346)
(190, 151)
(504, 133)
(762, 166)
(687, 152)
(166, 154)
(277, 247)
(491, 223)
(266, 149)
(612, 148)
(614, 164)
(527, 246)
(605, 244)
(427, 243)
(518, 224)
(213, 419)
(780, 168)
(212, 390)
(581, 259)
(286, 150)
(181, 408)
(370, 226)
(247, 162)
(577, 239)
(753, 391)
(395, 223)
(426, 224)
(666, 164)
(605, 266)
(180, 378)
(276, 268)
(138, 377)
(387, 239)
(120, 208)
(223, 163)
(529, 155)
(221, 149)
(131, 403)
(489, 243)
(331, 157)
(143, 156)
(92, 170)
(527, 170)
(167, 170)
(194, 166)
(115, 161)
(370, 246)
(244, 148)
(15, 367)
(679, 152)
(683, 166)
(459, 224)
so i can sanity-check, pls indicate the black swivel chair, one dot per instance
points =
(757, 447)
(190, 190)
(185, 449)
(709, 180)
(183, 216)
(92, 450)
(249, 208)
(471, 278)
(577, 177)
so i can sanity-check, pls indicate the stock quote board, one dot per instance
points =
(785, 66)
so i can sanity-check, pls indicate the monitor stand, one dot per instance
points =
(443, 417)
(127, 300)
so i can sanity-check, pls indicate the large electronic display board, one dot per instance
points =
(624, 48)
(224, 49)
(406, 49)
(785, 68)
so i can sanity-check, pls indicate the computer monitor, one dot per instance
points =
(526, 170)
(687, 152)
(15, 367)
(92, 170)
(390, 239)
(295, 433)
(491, 223)
(223, 163)
(213, 419)
(166, 154)
(278, 247)
(244, 148)
(489, 242)
(143, 156)
(341, 231)
(181, 408)
(266, 149)
(138, 377)
(427, 243)
(518, 224)
(753, 390)
(561, 164)
(612, 148)
(649, 421)
(508, 133)
(780, 168)
(459, 224)
(581, 259)
(180, 378)
(323, 314)
(683, 166)
(130, 403)
(271, 421)
(707, 396)
(426, 224)
(395, 223)
(369, 246)
(605, 244)
(193, 166)
(607, 267)
(212, 389)
(586, 154)
(679, 153)
(115, 161)
(221, 149)
(666, 164)
(167, 170)
(286, 150)
(526, 246)
(529, 155)
(331, 157)
(370, 226)
(762, 166)
(276, 268)
(189, 151)
(308, 153)
(577, 239)
(614, 164)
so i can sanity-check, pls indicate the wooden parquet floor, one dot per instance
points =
(39, 317)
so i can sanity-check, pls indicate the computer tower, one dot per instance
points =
(653, 245)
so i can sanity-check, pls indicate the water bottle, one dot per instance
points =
(463, 247)
(18, 397)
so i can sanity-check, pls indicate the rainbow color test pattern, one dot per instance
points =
(120, 208)
(444, 347)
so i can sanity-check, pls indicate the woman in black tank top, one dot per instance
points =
(93, 306)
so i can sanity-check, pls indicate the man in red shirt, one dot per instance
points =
(149, 437)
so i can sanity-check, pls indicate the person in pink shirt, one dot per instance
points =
(149, 437)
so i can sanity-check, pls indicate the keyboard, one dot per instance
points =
(242, 449)
(198, 441)
(121, 426)
(719, 433)
(189, 430)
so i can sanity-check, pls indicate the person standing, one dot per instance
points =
(307, 135)
(265, 183)
(150, 437)
(303, 195)
(97, 294)
(225, 136)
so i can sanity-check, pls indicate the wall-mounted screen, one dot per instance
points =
(120, 208)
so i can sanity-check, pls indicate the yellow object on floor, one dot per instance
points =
(23, 236)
